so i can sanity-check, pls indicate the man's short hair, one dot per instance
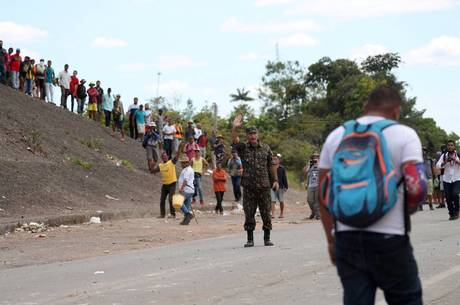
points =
(384, 97)
(451, 141)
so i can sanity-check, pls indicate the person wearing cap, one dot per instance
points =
(73, 89)
(40, 69)
(312, 172)
(118, 116)
(49, 83)
(186, 188)
(190, 148)
(15, 66)
(219, 149)
(64, 83)
(198, 164)
(81, 96)
(92, 101)
(283, 186)
(107, 105)
(189, 130)
(235, 168)
(259, 176)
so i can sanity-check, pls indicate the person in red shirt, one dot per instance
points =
(92, 103)
(15, 66)
(73, 88)
(202, 142)
(219, 177)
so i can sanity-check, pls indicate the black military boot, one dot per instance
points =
(250, 242)
(267, 241)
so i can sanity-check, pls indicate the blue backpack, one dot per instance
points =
(362, 185)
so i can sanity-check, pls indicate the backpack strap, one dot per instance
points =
(350, 126)
(383, 124)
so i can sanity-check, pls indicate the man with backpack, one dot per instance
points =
(450, 162)
(372, 176)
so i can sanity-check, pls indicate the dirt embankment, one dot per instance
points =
(55, 163)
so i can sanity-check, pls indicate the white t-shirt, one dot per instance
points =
(64, 79)
(403, 145)
(451, 169)
(169, 129)
(198, 133)
(189, 175)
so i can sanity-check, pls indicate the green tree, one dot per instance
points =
(241, 95)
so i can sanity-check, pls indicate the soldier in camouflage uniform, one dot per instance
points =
(259, 175)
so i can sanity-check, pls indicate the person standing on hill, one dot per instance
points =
(150, 144)
(28, 69)
(3, 60)
(81, 96)
(49, 83)
(202, 142)
(198, 165)
(283, 186)
(107, 105)
(178, 136)
(132, 120)
(168, 134)
(92, 102)
(64, 83)
(73, 89)
(148, 118)
(15, 66)
(140, 122)
(198, 132)
(219, 178)
(235, 168)
(118, 117)
(100, 99)
(189, 130)
(40, 69)
(258, 171)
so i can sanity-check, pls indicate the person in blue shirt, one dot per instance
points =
(139, 116)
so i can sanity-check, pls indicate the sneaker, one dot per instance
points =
(441, 206)
(317, 217)
(431, 208)
(311, 216)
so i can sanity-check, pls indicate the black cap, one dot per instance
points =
(252, 129)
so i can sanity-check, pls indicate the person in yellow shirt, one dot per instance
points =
(198, 164)
(168, 176)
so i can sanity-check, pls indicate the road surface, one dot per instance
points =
(219, 271)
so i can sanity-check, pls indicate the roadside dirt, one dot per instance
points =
(67, 243)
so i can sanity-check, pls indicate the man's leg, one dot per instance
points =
(164, 193)
(448, 190)
(456, 199)
(311, 201)
(238, 188)
(358, 287)
(273, 203)
(234, 187)
(200, 189)
(2, 74)
(395, 270)
(172, 191)
(249, 208)
(315, 198)
(264, 204)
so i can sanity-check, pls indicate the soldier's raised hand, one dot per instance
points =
(238, 120)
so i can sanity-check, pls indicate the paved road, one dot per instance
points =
(219, 271)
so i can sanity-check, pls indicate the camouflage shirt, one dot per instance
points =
(257, 161)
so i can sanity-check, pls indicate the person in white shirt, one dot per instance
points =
(381, 254)
(451, 178)
(64, 83)
(198, 132)
(168, 137)
(186, 188)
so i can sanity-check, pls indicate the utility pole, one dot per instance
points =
(277, 52)
(158, 84)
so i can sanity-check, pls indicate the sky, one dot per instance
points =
(206, 49)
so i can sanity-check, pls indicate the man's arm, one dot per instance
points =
(416, 184)
(179, 151)
(326, 217)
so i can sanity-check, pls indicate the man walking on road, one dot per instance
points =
(372, 249)
(257, 163)
(283, 186)
(312, 172)
(451, 178)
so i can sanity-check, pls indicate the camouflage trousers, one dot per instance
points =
(253, 198)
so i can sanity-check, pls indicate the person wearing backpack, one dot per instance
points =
(81, 96)
(450, 162)
(372, 177)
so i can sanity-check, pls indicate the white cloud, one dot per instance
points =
(164, 63)
(271, 2)
(253, 56)
(11, 32)
(365, 8)
(169, 88)
(366, 50)
(234, 25)
(178, 61)
(441, 51)
(108, 42)
(298, 40)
